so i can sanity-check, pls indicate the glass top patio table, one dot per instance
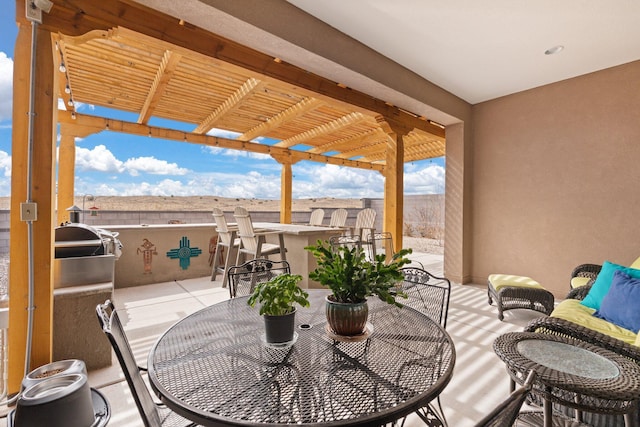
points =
(214, 368)
(572, 373)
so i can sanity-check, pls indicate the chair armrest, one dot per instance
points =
(557, 326)
(586, 270)
(266, 231)
(580, 292)
(372, 232)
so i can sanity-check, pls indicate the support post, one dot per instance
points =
(42, 194)
(286, 187)
(66, 174)
(394, 189)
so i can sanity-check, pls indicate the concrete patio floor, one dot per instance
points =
(479, 381)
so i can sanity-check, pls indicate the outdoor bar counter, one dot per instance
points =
(157, 253)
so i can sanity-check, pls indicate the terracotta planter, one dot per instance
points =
(279, 329)
(345, 318)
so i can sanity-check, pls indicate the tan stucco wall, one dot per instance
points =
(556, 176)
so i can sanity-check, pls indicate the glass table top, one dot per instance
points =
(568, 359)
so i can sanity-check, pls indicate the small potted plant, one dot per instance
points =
(277, 299)
(352, 278)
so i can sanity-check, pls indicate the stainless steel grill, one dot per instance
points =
(84, 255)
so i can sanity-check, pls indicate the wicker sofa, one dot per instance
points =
(571, 318)
(583, 278)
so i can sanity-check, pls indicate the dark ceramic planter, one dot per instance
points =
(279, 329)
(346, 319)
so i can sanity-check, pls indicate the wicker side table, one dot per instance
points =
(511, 292)
(572, 373)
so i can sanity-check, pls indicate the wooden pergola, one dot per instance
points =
(126, 57)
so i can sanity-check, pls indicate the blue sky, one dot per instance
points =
(111, 164)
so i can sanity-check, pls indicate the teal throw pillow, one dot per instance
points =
(620, 305)
(603, 282)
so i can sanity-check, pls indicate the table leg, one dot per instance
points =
(631, 417)
(283, 250)
(548, 413)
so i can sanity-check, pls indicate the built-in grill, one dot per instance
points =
(84, 255)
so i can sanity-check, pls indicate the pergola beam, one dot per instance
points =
(101, 123)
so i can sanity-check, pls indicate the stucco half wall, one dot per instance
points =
(555, 178)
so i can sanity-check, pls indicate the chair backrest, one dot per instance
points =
(317, 216)
(244, 278)
(427, 293)
(364, 223)
(506, 413)
(338, 218)
(245, 229)
(113, 329)
(221, 226)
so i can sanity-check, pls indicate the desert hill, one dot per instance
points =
(199, 203)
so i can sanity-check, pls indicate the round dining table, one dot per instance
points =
(215, 368)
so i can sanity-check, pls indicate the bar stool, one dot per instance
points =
(254, 243)
(226, 239)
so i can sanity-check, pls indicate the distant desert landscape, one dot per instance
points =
(206, 203)
(200, 203)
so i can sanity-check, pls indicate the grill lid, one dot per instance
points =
(77, 240)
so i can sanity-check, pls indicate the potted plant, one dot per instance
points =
(352, 278)
(277, 299)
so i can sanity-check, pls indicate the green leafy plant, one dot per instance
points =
(352, 278)
(278, 296)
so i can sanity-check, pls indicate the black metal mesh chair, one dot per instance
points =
(243, 278)
(506, 413)
(427, 293)
(153, 414)
(430, 295)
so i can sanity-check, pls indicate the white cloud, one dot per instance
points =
(6, 86)
(98, 159)
(153, 166)
(428, 180)
(218, 151)
(234, 153)
(222, 133)
(337, 181)
(5, 163)
(310, 180)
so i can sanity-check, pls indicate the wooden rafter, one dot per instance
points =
(291, 113)
(168, 65)
(234, 102)
(366, 151)
(333, 126)
(351, 143)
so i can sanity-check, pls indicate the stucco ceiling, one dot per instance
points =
(484, 50)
